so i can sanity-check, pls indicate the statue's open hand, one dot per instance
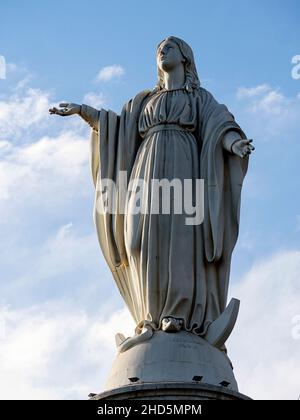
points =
(65, 109)
(242, 148)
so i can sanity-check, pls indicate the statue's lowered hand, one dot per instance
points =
(242, 148)
(65, 109)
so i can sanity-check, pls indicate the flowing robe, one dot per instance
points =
(163, 267)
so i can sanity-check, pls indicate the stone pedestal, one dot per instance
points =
(170, 391)
(177, 365)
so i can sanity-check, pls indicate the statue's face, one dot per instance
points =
(168, 56)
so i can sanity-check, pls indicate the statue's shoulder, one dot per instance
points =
(140, 96)
(206, 98)
(136, 101)
(203, 93)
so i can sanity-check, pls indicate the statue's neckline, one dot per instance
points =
(172, 90)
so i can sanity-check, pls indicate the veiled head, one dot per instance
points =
(172, 52)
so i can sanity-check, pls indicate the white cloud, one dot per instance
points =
(110, 72)
(48, 239)
(54, 351)
(265, 99)
(53, 354)
(45, 184)
(264, 352)
(49, 249)
(2, 67)
(37, 169)
(94, 99)
(22, 111)
(268, 113)
(244, 92)
(61, 254)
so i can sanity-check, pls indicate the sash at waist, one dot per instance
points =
(162, 127)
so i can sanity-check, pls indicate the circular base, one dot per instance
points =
(172, 357)
(170, 391)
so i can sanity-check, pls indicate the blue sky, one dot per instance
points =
(52, 271)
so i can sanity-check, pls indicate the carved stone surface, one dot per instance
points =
(172, 357)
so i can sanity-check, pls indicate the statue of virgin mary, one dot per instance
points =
(172, 276)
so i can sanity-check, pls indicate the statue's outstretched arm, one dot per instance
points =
(233, 143)
(88, 113)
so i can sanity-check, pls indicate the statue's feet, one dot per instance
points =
(170, 324)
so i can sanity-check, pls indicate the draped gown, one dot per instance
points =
(162, 266)
(165, 253)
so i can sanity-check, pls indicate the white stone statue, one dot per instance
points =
(172, 276)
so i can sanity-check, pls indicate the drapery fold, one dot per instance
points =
(114, 148)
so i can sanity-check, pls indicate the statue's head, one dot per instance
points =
(172, 52)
